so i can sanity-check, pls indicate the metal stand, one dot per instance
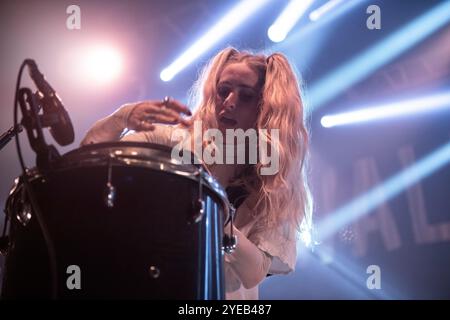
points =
(8, 135)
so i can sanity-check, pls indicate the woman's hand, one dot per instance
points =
(169, 111)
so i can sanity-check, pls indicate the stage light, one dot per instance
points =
(101, 64)
(378, 55)
(318, 13)
(278, 31)
(311, 30)
(314, 34)
(306, 237)
(383, 192)
(230, 21)
(402, 108)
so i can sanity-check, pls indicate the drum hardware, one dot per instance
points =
(4, 239)
(110, 191)
(20, 207)
(154, 272)
(199, 204)
(230, 241)
(8, 135)
(24, 214)
(34, 123)
(198, 211)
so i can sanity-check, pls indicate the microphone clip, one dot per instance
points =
(34, 123)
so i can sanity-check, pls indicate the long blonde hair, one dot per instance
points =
(284, 196)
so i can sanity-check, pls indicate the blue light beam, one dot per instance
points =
(397, 109)
(378, 55)
(291, 14)
(383, 192)
(229, 22)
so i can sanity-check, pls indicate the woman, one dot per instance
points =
(239, 90)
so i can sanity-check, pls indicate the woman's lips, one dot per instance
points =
(228, 122)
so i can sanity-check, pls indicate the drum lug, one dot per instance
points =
(110, 195)
(230, 241)
(199, 204)
(24, 214)
(154, 272)
(110, 191)
(198, 211)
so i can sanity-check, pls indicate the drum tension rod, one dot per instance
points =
(110, 191)
(199, 206)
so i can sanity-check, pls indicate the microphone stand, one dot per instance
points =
(6, 137)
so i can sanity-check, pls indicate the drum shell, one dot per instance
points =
(148, 228)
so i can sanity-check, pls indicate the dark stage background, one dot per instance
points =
(381, 188)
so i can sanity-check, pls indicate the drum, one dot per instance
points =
(124, 221)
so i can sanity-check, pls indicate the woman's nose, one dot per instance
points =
(230, 101)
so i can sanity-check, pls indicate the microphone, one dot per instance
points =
(55, 115)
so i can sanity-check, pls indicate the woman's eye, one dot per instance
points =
(246, 96)
(223, 92)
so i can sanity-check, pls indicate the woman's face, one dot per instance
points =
(237, 97)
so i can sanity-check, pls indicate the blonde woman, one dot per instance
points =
(240, 90)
